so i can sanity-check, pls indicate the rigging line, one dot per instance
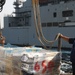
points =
(40, 28)
(56, 38)
(38, 20)
(59, 44)
(38, 25)
(59, 48)
(35, 20)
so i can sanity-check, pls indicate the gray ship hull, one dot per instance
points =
(20, 29)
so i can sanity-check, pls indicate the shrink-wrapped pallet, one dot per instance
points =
(36, 61)
(9, 65)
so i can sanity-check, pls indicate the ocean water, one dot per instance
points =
(66, 65)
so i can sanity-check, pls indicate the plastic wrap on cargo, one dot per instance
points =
(38, 61)
(9, 65)
(52, 66)
(41, 62)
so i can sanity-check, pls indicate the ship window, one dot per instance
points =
(9, 24)
(61, 24)
(49, 24)
(55, 23)
(67, 13)
(27, 21)
(43, 2)
(43, 24)
(54, 14)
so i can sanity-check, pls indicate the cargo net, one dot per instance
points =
(9, 65)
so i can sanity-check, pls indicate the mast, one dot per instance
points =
(17, 4)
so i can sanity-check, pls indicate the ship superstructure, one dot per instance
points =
(57, 16)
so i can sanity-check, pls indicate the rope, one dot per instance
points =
(59, 44)
(35, 21)
(36, 10)
(40, 28)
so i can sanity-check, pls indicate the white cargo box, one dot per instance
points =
(33, 60)
(40, 61)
